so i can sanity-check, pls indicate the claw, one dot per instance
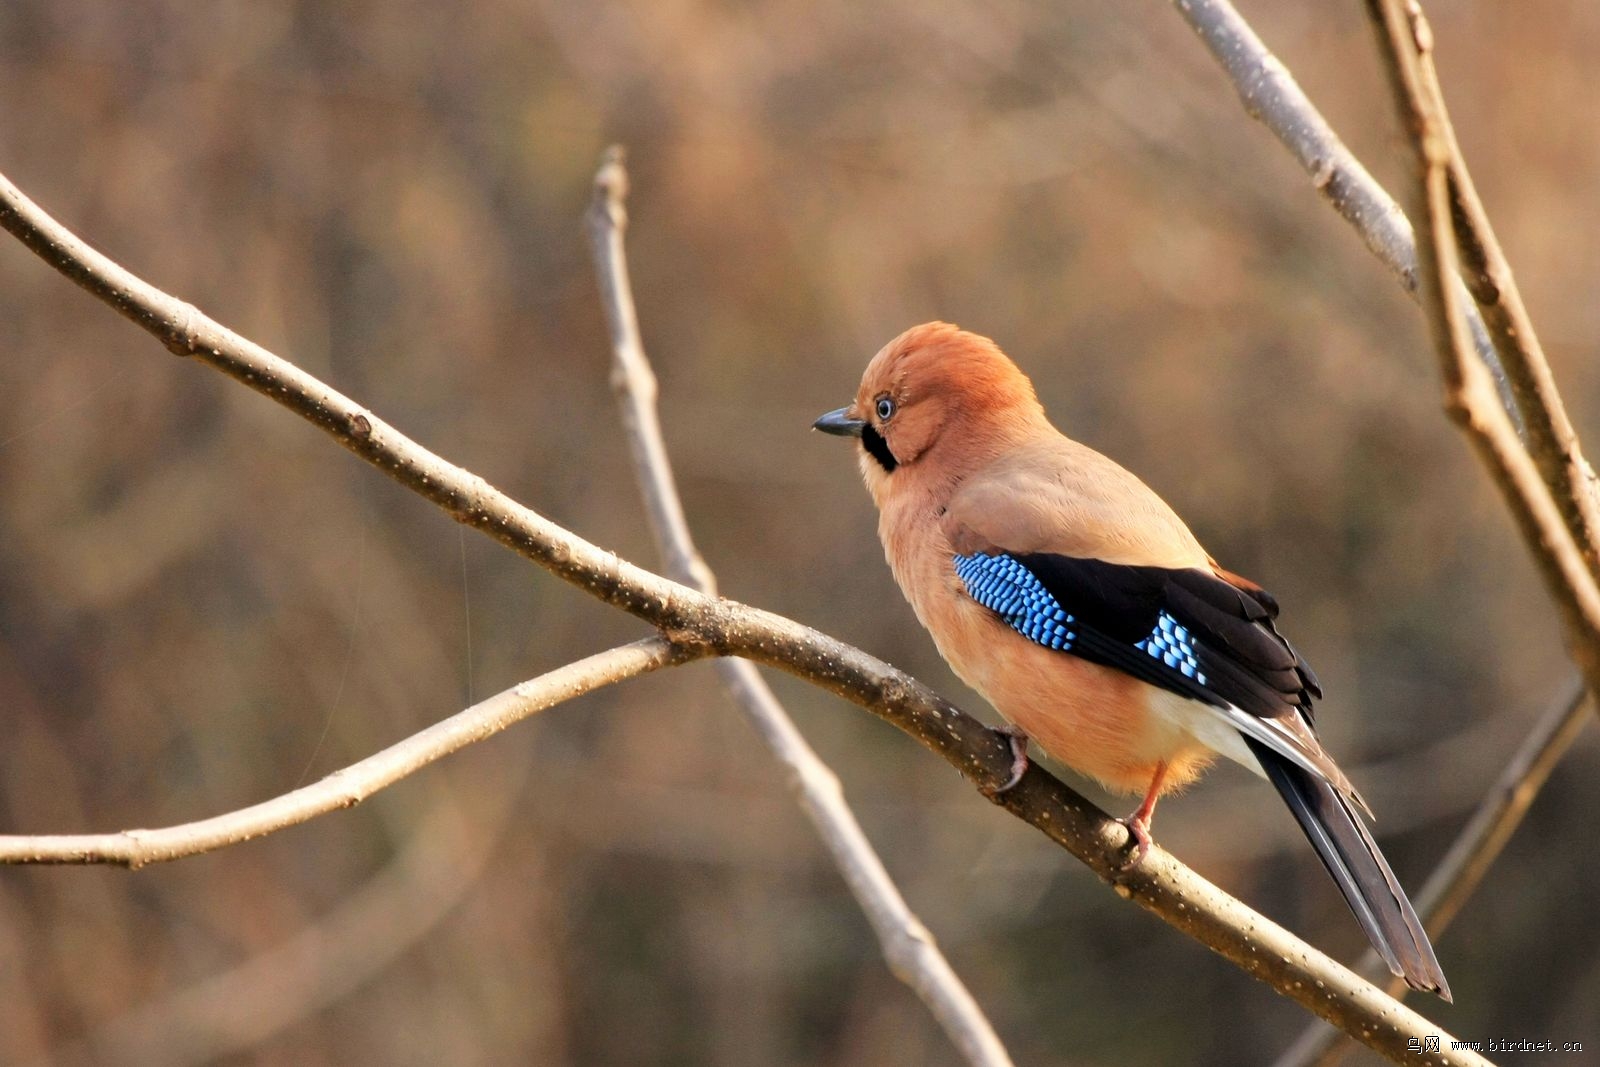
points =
(1018, 740)
(1139, 830)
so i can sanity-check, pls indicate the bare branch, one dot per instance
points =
(907, 944)
(351, 785)
(1406, 39)
(634, 382)
(1471, 854)
(1549, 432)
(1271, 95)
(696, 623)
(1502, 335)
(1502, 809)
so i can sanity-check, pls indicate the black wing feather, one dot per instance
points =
(1247, 663)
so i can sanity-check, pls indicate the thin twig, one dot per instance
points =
(1471, 854)
(1502, 335)
(1497, 817)
(696, 623)
(1549, 433)
(1271, 95)
(1405, 38)
(907, 944)
(351, 785)
(634, 381)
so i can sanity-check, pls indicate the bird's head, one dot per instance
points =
(936, 397)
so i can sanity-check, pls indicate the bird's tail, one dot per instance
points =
(1359, 869)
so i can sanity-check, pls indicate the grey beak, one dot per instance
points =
(839, 423)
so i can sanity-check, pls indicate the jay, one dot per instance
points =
(1067, 593)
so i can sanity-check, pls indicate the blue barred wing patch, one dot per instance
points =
(1011, 591)
(1170, 643)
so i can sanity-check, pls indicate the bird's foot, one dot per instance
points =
(1138, 826)
(1138, 823)
(1017, 739)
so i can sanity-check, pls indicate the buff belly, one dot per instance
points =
(1094, 719)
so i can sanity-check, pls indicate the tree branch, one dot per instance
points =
(1502, 809)
(351, 785)
(1549, 432)
(1270, 95)
(1405, 39)
(1502, 335)
(1471, 854)
(695, 623)
(907, 944)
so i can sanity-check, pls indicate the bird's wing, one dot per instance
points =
(1186, 630)
(1063, 528)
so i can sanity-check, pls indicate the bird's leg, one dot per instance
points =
(1017, 738)
(1138, 823)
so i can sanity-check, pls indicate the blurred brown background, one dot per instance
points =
(204, 603)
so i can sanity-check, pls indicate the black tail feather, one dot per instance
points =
(1359, 869)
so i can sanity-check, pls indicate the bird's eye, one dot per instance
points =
(885, 408)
